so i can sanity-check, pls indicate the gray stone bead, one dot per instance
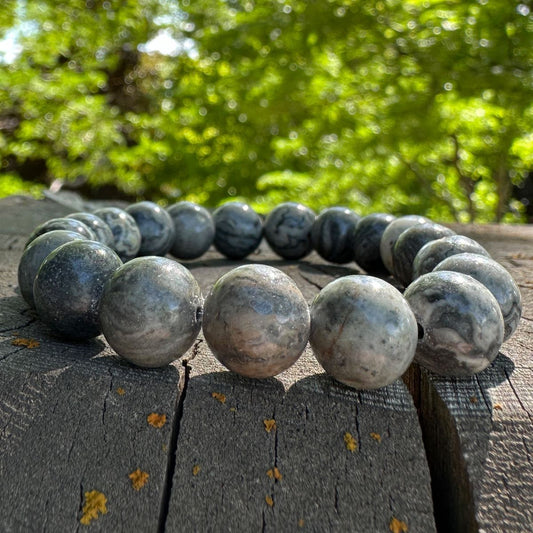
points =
(497, 280)
(34, 255)
(288, 230)
(155, 225)
(69, 285)
(126, 234)
(100, 229)
(238, 230)
(333, 234)
(367, 238)
(151, 311)
(460, 323)
(194, 230)
(391, 234)
(256, 321)
(362, 331)
(432, 253)
(408, 245)
(68, 224)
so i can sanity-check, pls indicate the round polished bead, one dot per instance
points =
(194, 230)
(460, 323)
(69, 285)
(68, 224)
(362, 331)
(155, 225)
(256, 321)
(333, 234)
(408, 245)
(100, 229)
(238, 230)
(151, 311)
(288, 230)
(432, 253)
(368, 240)
(391, 234)
(126, 234)
(496, 278)
(34, 255)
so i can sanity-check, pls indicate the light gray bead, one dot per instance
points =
(151, 311)
(100, 229)
(194, 230)
(496, 278)
(155, 225)
(460, 323)
(238, 230)
(69, 285)
(432, 253)
(64, 223)
(362, 331)
(256, 321)
(34, 255)
(288, 230)
(391, 234)
(126, 234)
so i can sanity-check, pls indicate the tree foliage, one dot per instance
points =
(401, 106)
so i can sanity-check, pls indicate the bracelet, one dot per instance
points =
(104, 272)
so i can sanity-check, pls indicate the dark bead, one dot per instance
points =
(68, 224)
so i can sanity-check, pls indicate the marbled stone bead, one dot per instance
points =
(367, 238)
(391, 234)
(69, 285)
(151, 311)
(194, 230)
(497, 280)
(460, 323)
(408, 245)
(68, 224)
(288, 230)
(34, 255)
(126, 234)
(333, 234)
(432, 253)
(362, 331)
(238, 230)
(256, 321)
(100, 229)
(155, 225)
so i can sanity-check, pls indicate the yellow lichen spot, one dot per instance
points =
(498, 406)
(397, 526)
(27, 343)
(121, 391)
(95, 502)
(376, 436)
(270, 424)
(301, 522)
(473, 399)
(219, 397)
(138, 479)
(233, 409)
(274, 473)
(269, 501)
(351, 443)
(196, 470)
(157, 420)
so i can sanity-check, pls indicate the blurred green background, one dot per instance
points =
(399, 106)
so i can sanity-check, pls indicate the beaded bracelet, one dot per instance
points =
(452, 318)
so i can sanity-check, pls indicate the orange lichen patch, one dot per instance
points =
(376, 436)
(157, 420)
(138, 479)
(270, 424)
(219, 397)
(351, 443)
(274, 473)
(473, 399)
(301, 522)
(196, 470)
(27, 343)
(498, 406)
(397, 526)
(121, 391)
(95, 502)
(269, 501)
